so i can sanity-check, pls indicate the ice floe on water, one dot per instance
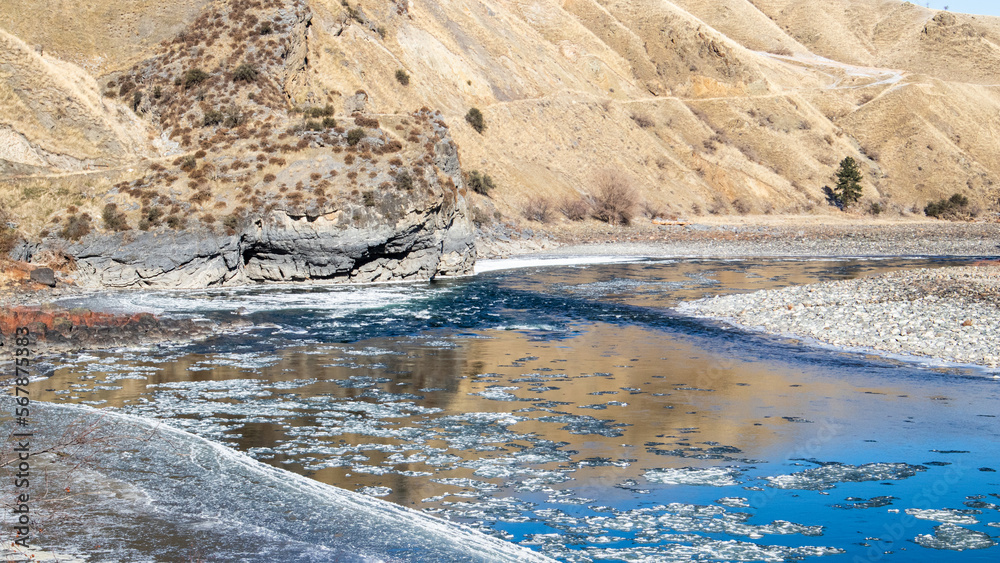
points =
(734, 502)
(711, 476)
(669, 533)
(946, 515)
(874, 502)
(830, 475)
(955, 538)
(375, 491)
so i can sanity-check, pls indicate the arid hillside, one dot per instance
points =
(198, 108)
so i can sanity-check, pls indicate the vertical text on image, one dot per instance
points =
(21, 436)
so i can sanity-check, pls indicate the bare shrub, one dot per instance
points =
(538, 209)
(113, 218)
(364, 121)
(742, 206)
(8, 234)
(718, 206)
(643, 120)
(651, 210)
(77, 227)
(614, 198)
(575, 209)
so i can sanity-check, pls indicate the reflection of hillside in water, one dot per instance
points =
(683, 406)
(578, 389)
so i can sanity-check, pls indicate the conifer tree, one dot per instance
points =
(848, 188)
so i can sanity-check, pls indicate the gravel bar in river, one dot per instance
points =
(952, 314)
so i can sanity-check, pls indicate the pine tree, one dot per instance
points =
(848, 188)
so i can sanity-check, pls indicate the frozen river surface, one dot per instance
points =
(565, 409)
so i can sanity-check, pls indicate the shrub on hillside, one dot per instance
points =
(476, 120)
(538, 209)
(213, 117)
(575, 209)
(952, 208)
(194, 76)
(404, 181)
(176, 222)
(402, 77)
(77, 227)
(114, 219)
(324, 111)
(363, 121)
(355, 135)
(614, 198)
(8, 234)
(245, 73)
(480, 183)
(642, 120)
(150, 218)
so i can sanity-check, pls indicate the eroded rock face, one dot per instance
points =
(279, 247)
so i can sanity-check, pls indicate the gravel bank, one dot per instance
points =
(948, 313)
(729, 241)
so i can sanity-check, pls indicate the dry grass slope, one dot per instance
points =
(710, 106)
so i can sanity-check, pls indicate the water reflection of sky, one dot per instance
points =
(569, 410)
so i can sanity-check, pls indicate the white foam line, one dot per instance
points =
(483, 266)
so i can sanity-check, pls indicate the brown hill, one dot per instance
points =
(718, 106)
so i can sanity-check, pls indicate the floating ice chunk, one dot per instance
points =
(712, 476)
(874, 502)
(499, 394)
(375, 491)
(465, 482)
(827, 477)
(947, 515)
(582, 424)
(955, 538)
(734, 502)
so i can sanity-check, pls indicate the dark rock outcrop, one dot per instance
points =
(44, 276)
(280, 247)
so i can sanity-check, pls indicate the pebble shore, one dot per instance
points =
(952, 314)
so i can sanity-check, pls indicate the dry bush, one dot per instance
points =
(575, 209)
(643, 120)
(718, 206)
(113, 218)
(615, 198)
(8, 235)
(742, 206)
(651, 210)
(538, 209)
(363, 121)
(77, 227)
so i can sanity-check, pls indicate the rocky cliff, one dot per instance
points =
(252, 187)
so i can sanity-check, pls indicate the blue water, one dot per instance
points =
(570, 410)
